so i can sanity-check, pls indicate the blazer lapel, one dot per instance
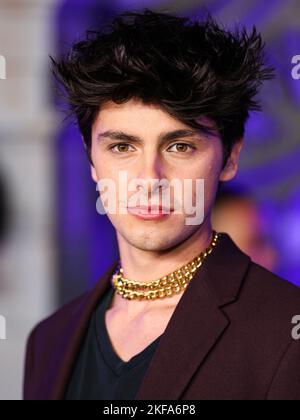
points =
(197, 323)
(73, 335)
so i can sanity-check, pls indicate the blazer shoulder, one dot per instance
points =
(60, 316)
(273, 280)
(45, 333)
(272, 288)
(60, 320)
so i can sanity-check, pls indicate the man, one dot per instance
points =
(184, 313)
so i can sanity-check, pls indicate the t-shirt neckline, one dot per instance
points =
(112, 359)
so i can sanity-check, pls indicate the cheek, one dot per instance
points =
(211, 180)
(208, 169)
(103, 167)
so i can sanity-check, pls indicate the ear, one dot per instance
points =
(94, 174)
(231, 167)
(92, 169)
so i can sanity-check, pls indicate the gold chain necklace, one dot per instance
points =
(166, 286)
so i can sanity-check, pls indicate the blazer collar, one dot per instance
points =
(196, 324)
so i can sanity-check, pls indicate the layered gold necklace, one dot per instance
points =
(166, 286)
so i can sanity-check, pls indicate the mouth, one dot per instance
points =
(150, 212)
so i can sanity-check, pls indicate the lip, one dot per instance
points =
(150, 213)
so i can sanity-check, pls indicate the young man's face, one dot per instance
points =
(150, 157)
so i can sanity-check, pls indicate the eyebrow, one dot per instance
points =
(163, 137)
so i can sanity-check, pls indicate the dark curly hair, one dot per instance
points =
(190, 68)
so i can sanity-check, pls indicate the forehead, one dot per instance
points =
(134, 114)
(139, 119)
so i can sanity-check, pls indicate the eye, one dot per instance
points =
(122, 146)
(183, 147)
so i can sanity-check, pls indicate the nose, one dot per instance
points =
(150, 173)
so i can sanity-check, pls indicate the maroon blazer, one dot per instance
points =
(228, 338)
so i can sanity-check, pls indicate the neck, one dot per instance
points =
(146, 266)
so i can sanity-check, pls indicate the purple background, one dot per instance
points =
(269, 163)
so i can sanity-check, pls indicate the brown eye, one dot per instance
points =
(121, 147)
(182, 147)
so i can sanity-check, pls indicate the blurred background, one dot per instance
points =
(53, 244)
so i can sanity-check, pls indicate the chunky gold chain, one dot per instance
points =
(166, 286)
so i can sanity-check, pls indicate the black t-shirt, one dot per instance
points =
(99, 373)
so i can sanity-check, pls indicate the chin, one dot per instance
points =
(151, 245)
(155, 242)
